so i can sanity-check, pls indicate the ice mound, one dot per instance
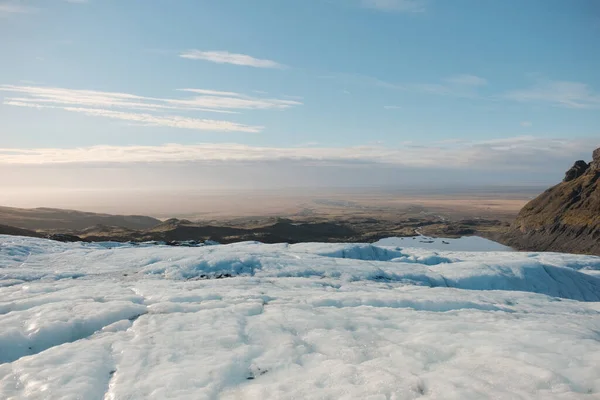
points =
(311, 321)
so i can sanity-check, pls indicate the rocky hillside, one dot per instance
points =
(566, 217)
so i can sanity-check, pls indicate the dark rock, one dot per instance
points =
(255, 372)
(185, 243)
(65, 237)
(576, 170)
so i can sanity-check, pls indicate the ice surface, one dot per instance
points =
(305, 321)
(465, 243)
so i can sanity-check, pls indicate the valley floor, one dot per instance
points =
(304, 321)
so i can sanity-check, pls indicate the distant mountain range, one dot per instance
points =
(67, 225)
(53, 219)
(175, 231)
(11, 230)
(564, 218)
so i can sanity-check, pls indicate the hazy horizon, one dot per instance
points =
(187, 96)
(197, 204)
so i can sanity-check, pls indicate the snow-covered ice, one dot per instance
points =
(306, 321)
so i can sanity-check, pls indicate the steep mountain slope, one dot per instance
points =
(63, 220)
(565, 217)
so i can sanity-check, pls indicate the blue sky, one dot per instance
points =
(408, 83)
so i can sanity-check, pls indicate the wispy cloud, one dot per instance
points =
(463, 85)
(225, 57)
(21, 7)
(173, 121)
(458, 85)
(526, 124)
(567, 94)
(410, 6)
(14, 7)
(466, 80)
(558, 93)
(515, 153)
(362, 80)
(217, 100)
(146, 110)
(392, 107)
(203, 100)
(212, 92)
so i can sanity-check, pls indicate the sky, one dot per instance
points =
(115, 94)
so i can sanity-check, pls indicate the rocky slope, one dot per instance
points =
(566, 217)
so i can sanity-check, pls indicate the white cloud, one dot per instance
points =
(515, 153)
(410, 6)
(225, 57)
(141, 109)
(392, 107)
(558, 93)
(526, 123)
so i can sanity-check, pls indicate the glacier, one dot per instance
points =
(304, 321)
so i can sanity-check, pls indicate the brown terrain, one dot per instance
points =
(564, 218)
(324, 217)
(57, 219)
